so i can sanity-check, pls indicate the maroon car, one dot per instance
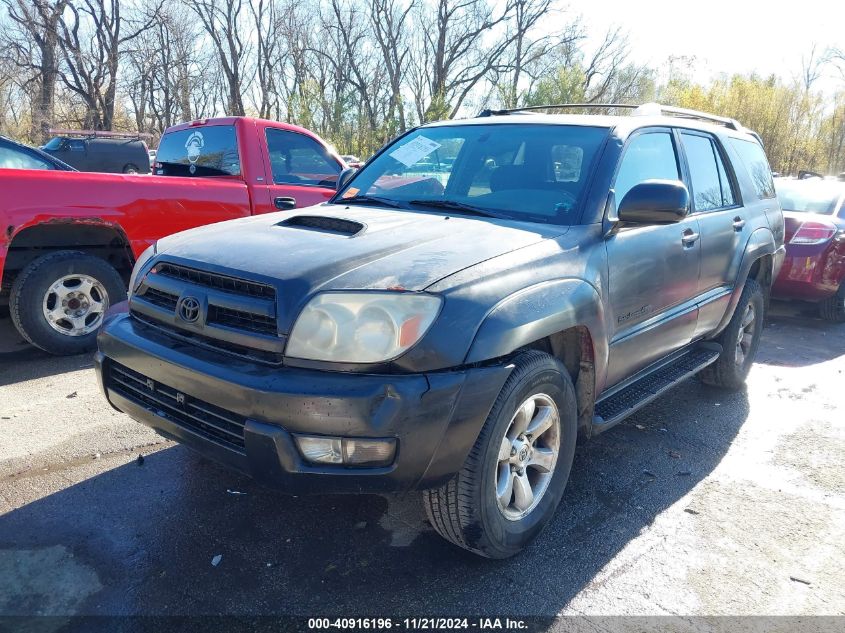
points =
(814, 268)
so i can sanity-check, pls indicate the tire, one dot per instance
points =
(833, 308)
(33, 296)
(466, 510)
(731, 369)
(131, 169)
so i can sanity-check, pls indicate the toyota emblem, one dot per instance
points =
(189, 309)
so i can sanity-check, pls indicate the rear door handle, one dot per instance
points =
(689, 237)
(738, 223)
(285, 204)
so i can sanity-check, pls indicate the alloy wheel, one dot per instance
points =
(527, 456)
(746, 335)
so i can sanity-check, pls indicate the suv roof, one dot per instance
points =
(647, 114)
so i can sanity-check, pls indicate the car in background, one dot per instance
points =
(152, 154)
(69, 240)
(814, 267)
(15, 155)
(352, 160)
(107, 152)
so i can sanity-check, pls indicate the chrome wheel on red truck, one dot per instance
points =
(59, 301)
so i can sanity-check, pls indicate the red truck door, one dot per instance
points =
(302, 170)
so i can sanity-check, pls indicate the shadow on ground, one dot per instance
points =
(20, 361)
(796, 336)
(140, 539)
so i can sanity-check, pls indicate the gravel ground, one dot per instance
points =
(703, 503)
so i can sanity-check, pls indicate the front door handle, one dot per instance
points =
(285, 204)
(689, 237)
(738, 223)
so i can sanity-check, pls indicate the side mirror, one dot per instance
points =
(655, 202)
(345, 177)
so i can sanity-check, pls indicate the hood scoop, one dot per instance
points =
(338, 226)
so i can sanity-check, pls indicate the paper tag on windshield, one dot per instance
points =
(413, 151)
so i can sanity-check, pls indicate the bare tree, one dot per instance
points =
(37, 23)
(453, 52)
(388, 19)
(223, 21)
(93, 40)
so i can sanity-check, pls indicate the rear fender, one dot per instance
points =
(540, 311)
(760, 244)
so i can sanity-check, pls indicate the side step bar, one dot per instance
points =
(611, 410)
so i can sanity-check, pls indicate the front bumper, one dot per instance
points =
(434, 417)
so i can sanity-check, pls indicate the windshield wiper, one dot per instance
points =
(362, 199)
(454, 205)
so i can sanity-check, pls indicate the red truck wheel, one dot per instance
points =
(833, 308)
(59, 301)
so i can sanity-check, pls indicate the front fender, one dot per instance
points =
(540, 311)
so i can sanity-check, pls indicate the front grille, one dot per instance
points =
(161, 299)
(208, 420)
(213, 344)
(214, 280)
(236, 316)
(241, 320)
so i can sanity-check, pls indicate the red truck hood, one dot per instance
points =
(375, 248)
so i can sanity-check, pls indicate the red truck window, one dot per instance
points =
(199, 151)
(298, 159)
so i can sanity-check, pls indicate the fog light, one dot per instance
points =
(347, 450)
(320, 450)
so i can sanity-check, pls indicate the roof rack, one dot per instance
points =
(558, 106)
(99, 134)
(645, 109)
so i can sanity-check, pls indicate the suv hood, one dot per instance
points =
(407, 249)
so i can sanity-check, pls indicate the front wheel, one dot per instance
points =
(515, 474)
(130, 169)
(739, 341)
(58, 302)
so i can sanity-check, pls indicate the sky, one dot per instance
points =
(723, 35)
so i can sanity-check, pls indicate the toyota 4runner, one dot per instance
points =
(478, 294)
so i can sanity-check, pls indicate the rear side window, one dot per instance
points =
(11, 158)
(757, 165)
(297, 159)
(199, 151)
(648, 157)
(710, 185)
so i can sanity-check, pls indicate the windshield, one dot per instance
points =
(199, 151)
(810, 196)
(517, 171)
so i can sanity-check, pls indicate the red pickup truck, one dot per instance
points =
(68, 240)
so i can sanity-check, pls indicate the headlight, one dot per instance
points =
(361, 327)
(140, 263)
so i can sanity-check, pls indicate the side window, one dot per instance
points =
(710, 185)
(11, 158)
(754, 157)
(648, 156)
(299, 159)
(76, 145)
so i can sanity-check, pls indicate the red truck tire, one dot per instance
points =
(59, 301)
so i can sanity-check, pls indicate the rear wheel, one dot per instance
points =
(59, 301)
(833, 308)
(514, 476)
(739, 341)
(130, 169)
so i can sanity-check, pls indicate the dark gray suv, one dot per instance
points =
(473, 298)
